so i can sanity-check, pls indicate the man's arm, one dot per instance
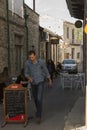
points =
(45, 70)
(27, 72)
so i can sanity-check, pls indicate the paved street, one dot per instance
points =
(56, 106)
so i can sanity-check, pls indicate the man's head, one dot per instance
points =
(32, 56)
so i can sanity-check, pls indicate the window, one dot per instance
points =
(69, 61)
(66, 55)
(72, 35)
(78, 55)
(73, 52)
(67, 32)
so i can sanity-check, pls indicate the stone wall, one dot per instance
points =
(3, 36)
(14, 53)
(33, 29)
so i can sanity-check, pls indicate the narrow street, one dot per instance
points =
(56, 106)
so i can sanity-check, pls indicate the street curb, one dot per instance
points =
(76, 118)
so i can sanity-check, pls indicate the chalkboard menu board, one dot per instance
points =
(15, 103)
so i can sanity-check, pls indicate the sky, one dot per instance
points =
(52, 14)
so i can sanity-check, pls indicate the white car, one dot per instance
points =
(69, 65)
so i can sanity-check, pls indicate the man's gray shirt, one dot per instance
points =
(38, 71)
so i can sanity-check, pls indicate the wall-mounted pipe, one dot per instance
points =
(8, 35)
(26, 17)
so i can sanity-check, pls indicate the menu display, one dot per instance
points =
(15, 109)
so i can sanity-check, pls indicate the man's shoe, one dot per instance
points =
(38, 120)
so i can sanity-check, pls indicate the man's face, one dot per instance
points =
(32, 57)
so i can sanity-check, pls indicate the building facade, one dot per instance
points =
(73, 43)
(49, 45)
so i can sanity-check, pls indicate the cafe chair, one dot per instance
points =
(66, 81)
(79, 81)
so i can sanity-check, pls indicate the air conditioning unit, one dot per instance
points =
(47, 36)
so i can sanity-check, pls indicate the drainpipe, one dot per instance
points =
(26, 17)
(26, 37)
(34, 5)
(8, 36)
(85, 44)
(84, 55)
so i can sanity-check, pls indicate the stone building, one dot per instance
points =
(49, 45)
(17, 36)
(73, 43)
(32, 23)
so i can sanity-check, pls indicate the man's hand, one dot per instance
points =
(30, 79)
(50, 83)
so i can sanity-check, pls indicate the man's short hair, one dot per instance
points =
(31, 52)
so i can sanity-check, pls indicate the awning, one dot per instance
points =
(76, 8)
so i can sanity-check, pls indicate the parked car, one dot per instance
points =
(69, 65)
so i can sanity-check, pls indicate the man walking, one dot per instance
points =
(36, 72)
